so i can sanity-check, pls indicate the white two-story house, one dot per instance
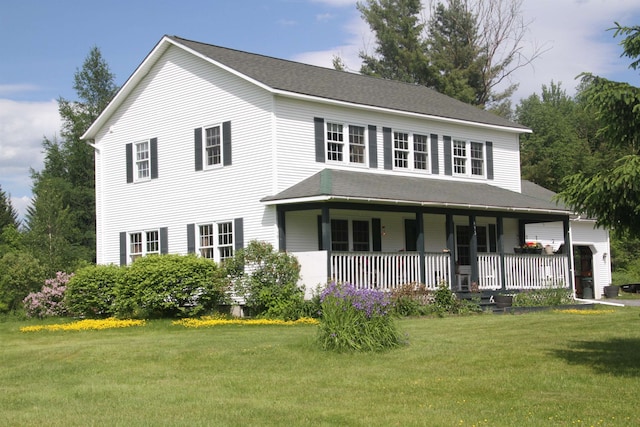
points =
(366, 180)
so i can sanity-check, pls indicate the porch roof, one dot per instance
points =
(364, 187)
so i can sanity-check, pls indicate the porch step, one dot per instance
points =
(486, 299)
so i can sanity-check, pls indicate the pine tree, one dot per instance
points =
(8, 214)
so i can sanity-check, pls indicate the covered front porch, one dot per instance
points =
(465, 235)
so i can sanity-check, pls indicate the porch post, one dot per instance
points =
(420, 244)
(500, 230)
(473, 249)
(568, 246)
(326, 236)
(451, 246)
(282, 228)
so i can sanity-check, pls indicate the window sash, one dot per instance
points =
(420, 152)
(143, 167)
(356, 144)
(335, 141)
(360, 233)
(340, 235)
(143, 243)
(401, 150)
(207, 241)
(468, 158)
(213, 146)
(225, 240)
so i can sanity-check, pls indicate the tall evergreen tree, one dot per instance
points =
(400, 51)
(63, 211)
(8, 214)
(612, 194)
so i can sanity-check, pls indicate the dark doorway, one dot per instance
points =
(583, 263)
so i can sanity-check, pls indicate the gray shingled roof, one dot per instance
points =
(295, 77)
(363, 186)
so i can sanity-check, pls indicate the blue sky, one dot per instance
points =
(44, 42)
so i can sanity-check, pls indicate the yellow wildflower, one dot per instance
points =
(86, 324)
(217, 321)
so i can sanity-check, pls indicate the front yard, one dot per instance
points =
(547, 368)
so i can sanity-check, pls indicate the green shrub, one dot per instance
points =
(543, 297)
(267, 280)
(411, 299)
(20, 274)
(91, 291)
(168, 286)
(356, 320)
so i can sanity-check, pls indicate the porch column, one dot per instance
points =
(500, 230)
(451, 246)
(282, 228)
(568, 246)
(473, 249)
(420, 244)
(326, 236)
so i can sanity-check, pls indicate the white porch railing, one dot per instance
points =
(388, 271)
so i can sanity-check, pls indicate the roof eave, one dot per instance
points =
(464, 206)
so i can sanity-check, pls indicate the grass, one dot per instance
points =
(536, 369)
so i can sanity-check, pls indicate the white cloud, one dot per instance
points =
(23, 125)
(16, 88)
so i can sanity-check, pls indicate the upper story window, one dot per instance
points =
(216, 240)
(356, 140)
(143, 166)
(213, 146)
(144, 243)
(468, 158)
(410, 151)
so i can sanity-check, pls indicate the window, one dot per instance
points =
(410, 151)
(463, 242)
(468, 158)
(343, 237)
(216, 240)
(142, 161)
(336, 143)
(401, 150)
(213, 146)
(144, 243)
(225, 240)
(356, 144)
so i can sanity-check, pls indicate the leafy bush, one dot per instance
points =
(267, 280)
(20, 274)
(91, 291)
(356, 320)
(411, 299)
(543, 297)
(168, 286)
(50, 300)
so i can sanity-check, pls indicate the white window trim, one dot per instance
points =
(136, 162)
(205, 157)
(411, 159)
(131, 256)
(468, 158)
(216, 238)
(346, 145)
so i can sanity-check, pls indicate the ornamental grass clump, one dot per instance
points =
(356, 320)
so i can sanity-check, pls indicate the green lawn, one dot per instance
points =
(535, 369)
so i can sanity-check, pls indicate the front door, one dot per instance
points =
(583, 259)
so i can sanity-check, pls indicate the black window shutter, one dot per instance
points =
(129, 154)
(238, 234)
(435, 169)
(489, 148)
(226, 143)
(318, 126)
(320, 248)
(448, 166)
(376, 234)
(197, 148)
(191, 238)
(493, 241)
(123, 248)
(386, 148)
(373, 147)
(164, 240)
(154, 158)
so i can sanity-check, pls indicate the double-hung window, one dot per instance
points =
(216, 240)
(143, 166)
(337, 145)
(468, 158)
(143, 243)
(213, 146)
(345, 233)
(410, 151)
